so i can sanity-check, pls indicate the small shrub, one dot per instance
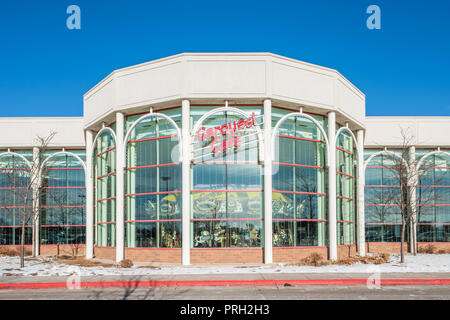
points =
(82, 262)
(427, 249)
(314, 259)
(376, 259)
(126, 263)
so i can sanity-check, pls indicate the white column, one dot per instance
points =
(361, 236)
(120, 231)
(186, 185)
(412, 187)
(268, 254)
(332, 235)
(36, 200)
(89, 196)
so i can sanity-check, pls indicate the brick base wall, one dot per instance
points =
(294, 255)
(105, 253)
(64, 249)
(153, 255)
(28, 249)
(346, 251)
(437, 245)
(394, 247)
(205, 256)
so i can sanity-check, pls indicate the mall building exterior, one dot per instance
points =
(225, 158)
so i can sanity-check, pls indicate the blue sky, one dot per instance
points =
(403, 68)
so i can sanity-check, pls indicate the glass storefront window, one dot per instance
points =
(227, 190)
(153, 184)
(345, 189)
(63, 200)
(14, 179)
(382, 197)
(105, 184)
(433, 198)
(298, 196)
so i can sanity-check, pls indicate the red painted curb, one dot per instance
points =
(226, 283)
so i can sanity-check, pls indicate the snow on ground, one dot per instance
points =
(9, 266)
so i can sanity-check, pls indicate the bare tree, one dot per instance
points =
(22, 184)
(61, 212)
(403, 174)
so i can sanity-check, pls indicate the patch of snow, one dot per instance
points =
(419, 263)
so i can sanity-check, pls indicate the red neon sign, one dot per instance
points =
(226, 129)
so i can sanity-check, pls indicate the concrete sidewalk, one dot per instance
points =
(238, 279)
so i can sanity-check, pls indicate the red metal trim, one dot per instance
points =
(15, 245)
(299, 192)
(298, 165)
(63, 245)
(161, 220)
(393, 167)
(52, 226)
(63, 187)
(149, 139)
(227, 162)
(380, 204)
(433, 205)
(111, 198)
(345, 174)
(433, 186)
(15, 207)
(50, 207)
(381, 186)
(343, 221)
(5, 169)
(67, 168)
(300, 247)
(346, 198)
(150, 248)
(113, 222)
(223, 283)
(384, 224)
(227, 190)
(15, 227)
(305, 220)
(299, 138)
(434, 224)
(106, 175)
(252, 219)
(232, 248)
(152, 193)
(111, 149)
(344, 150)
(222, 105)
(154, 166)
(434, 167)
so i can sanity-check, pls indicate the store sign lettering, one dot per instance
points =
(228, 131)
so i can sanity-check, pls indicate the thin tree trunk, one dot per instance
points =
(410, 242)
(22, 247)
(402, 245)
(33, 242)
